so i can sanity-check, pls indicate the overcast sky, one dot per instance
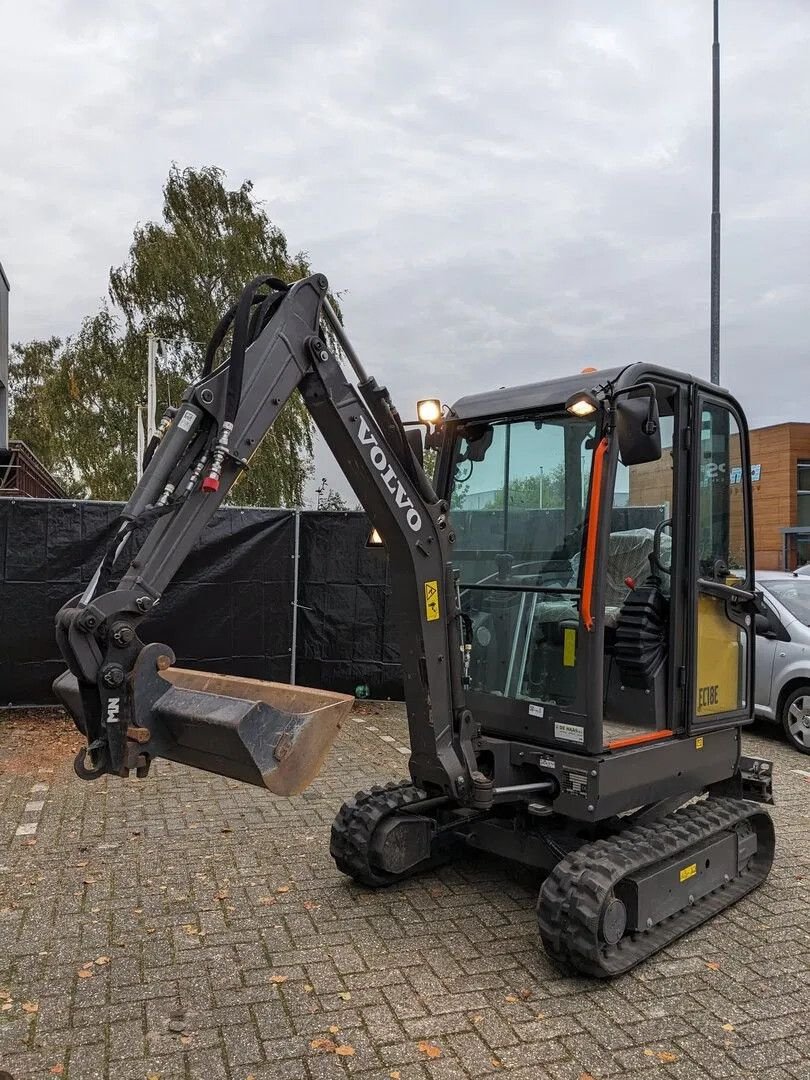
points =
(500, 192)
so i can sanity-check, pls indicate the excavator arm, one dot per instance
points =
(127, 698)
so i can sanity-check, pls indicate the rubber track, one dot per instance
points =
(573, 895)
(354, 827)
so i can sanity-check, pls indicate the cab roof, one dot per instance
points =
(532, 397)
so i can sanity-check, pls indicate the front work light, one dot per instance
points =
(583, 403)
(429, 411)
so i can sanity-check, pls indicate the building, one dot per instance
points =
(4, 291)
(780, 467)
(22, 474)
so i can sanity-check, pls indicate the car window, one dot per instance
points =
(794, 595)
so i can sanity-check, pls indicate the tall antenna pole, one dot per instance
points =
(715, 249)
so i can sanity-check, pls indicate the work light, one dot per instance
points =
(429, 411)
(583, 403)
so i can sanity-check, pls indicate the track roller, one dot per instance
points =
(376, 842)
(612, 903)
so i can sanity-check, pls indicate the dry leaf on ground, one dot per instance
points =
(712, 965)
(666, 1057)
(101, 960)
(728, 1027)
(30, 1006)
(429, 1049)
(334, 1029)
(323, 1044)
(278, 979)
(345, 1051)
(57, 1070)
(345, 995)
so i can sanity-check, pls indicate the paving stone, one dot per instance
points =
(431, 961)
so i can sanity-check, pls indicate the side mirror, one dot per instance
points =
(638, 425)
(414, 437)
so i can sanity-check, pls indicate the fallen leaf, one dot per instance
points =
(395, 1075)
(309, 988)
(150, 929)
(539, 1016)
(429, 1049)
(478, 1019)
(30, 1006)
(728, 1027)
(666, 1057)
(496, 1063)
(102, 960)
(226, 830)
(278, 979)
(283, 888)
(223, 894)
(85, 974)
(323, 1044)
(524, 994)
(57, 1070)
(345, 995)
(89, 881)
(185, 1039)
(345, 1051)
(153, 1076)
(6, 1006)
(310, 905)
(267, 900)
(190, 928)
(586, 1076)
(712, 965)
(512, 999)
(648, 1052)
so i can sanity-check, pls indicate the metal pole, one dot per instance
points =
(715, 245)
(151, 388)
(140, 445)
(296, 554)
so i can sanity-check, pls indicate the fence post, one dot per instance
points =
(296, 554)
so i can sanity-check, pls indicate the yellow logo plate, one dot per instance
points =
(688, 871)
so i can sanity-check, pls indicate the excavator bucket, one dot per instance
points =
(264, 733)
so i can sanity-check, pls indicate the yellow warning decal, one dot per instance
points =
(688, 871)
(431, 600)
(569, 647)
(699, 742)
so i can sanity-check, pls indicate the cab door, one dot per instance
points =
(722, 563)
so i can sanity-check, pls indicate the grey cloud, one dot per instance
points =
(501, 192)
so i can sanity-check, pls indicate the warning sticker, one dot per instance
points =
(688, 871)
(537, 710)
(569, 647)
(186, 420)
(431, 600)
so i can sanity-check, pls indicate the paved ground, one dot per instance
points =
(187, 927)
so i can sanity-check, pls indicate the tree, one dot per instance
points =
(74, 401)
(328, 498)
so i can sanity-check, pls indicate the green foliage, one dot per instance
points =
(74, 402)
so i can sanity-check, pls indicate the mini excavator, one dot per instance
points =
(575, 599)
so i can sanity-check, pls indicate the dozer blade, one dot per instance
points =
(268, 734)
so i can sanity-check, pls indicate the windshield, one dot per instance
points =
(518, 500)
(794, 595)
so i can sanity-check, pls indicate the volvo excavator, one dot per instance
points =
(575, 601)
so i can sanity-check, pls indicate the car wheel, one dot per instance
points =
(796, 718)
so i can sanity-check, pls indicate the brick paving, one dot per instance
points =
(189, 927)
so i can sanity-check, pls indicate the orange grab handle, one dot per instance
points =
(594, 504)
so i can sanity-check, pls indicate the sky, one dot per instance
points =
(499, 193)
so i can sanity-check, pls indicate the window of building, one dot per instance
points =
(803, 492)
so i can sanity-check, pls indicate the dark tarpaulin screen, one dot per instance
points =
(347, 636)
(228, 610)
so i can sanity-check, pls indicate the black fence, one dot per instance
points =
(230, 608)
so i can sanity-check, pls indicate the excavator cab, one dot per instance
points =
(574, 592)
